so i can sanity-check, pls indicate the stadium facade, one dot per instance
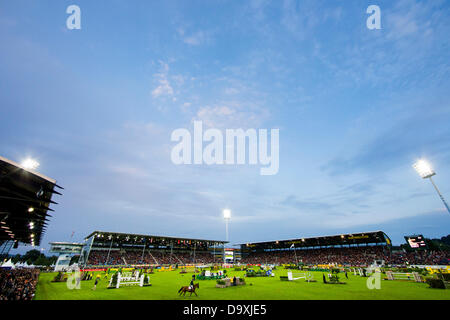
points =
(102, 248)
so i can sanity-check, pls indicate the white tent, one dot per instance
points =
(23, 265)
(8, 264)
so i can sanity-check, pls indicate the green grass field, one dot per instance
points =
(166, 284)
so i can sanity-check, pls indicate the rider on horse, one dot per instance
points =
(191, 284)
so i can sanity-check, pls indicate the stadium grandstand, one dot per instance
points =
(112, 248)
(356, 249)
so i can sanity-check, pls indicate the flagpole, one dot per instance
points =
(295, 252)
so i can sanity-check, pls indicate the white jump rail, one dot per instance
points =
(412, 276)
(129, 280)
(298, 276)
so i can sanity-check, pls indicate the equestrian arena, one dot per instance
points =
(112, 266)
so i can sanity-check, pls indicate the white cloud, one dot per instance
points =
(186, 106)
(300, 19)
(231, 91)
(232, 115)
(196, 38)
(404, 20)
(164, 87)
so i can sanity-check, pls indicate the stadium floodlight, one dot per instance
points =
(30, 209)
(30, 164)
(227, 217)
(425, 170)
(227, 214)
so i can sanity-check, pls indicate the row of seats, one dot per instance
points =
(131, 257)
(354, 256)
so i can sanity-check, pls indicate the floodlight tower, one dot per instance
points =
(227, 217)
(424, 169)
(30, 164)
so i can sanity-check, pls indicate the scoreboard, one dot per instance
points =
(229, 254)
(416, 242)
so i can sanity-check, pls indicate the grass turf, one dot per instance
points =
(166, 284)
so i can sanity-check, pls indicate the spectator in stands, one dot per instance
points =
(153, 257)
(18, 284)
(353, 256)
(350, 256)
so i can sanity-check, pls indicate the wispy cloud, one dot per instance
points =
(403, 142)
(196, 38)
(232, 114)
(164, 88)
(305, 204)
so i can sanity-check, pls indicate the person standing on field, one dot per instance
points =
(97, 279)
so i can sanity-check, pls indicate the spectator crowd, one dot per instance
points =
(18, 284)
(155, 257)
(354, 256)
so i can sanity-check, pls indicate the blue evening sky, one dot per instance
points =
(355, 108)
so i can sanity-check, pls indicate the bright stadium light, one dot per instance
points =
(30, 164)
(227, 214)
(425, 170)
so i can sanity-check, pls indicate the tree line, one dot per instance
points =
(34, 257)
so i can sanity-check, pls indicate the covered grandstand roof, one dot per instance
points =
(139, 239)
(66, 247)
(25, 198)
(373, 237)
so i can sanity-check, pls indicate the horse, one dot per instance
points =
(183, 290)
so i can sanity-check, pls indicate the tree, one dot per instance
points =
(42, 261)
(17, 258)
(31, 256)
(446, 240)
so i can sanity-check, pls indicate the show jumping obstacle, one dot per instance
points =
(297, 276)
(129, 279)
(411, 276)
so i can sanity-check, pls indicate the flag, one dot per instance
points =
(292, 245)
